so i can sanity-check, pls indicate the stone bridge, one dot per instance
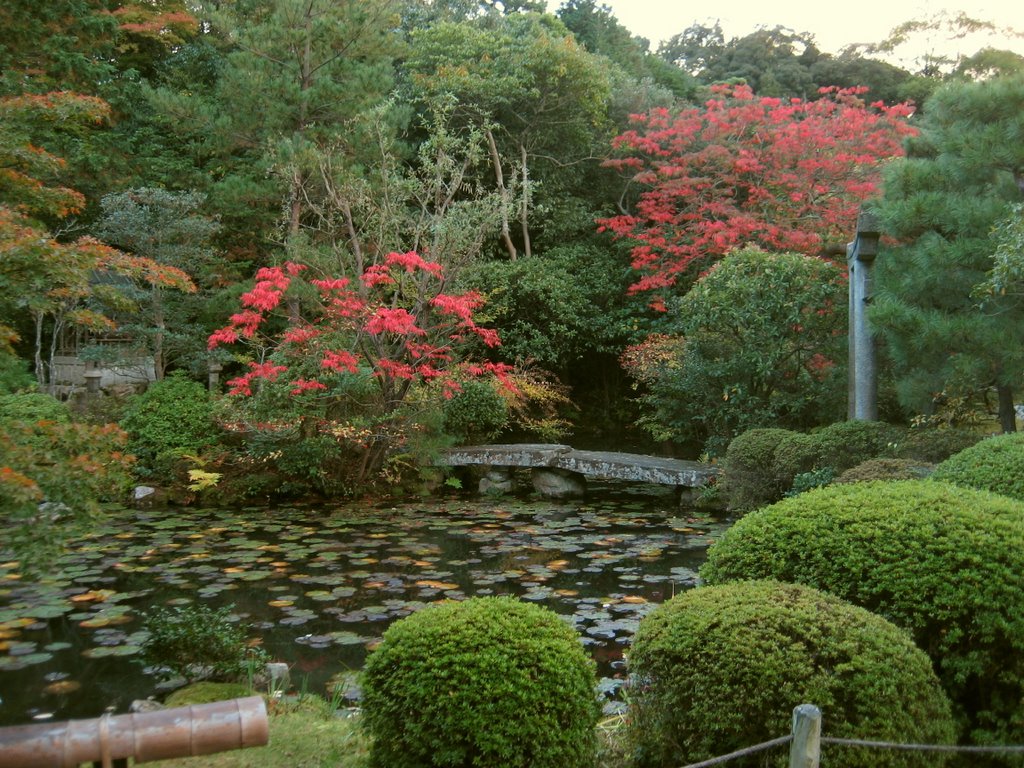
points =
(559, 470)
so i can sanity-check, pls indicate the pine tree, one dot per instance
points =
(941, 203)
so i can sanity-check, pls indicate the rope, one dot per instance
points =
(742, 752)
(921, 747)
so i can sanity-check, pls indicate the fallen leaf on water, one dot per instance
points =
(436, 584)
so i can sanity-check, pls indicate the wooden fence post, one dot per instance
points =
(805, 750)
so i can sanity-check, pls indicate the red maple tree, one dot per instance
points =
(396, 322)
(787, 175)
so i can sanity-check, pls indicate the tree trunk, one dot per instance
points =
(40, 371)
(1007, 413)
(499, 179)
(524, 208)
(158, 338)
(58, 329)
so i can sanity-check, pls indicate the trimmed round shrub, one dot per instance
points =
(995, 464)
(943, 562)
(886, 469)
(845, 444)
(476, 413)
(935, 444)
(484, 682)
(171, 417)
(760, 465)
(721, 668)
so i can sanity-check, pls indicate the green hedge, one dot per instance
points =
(32, 407)
(762, 466)
(886, 469)
(935, 444)
(475, 414)
(720, 668)
(944, 562)
(995, 464)
(846, 444)
(487, 682)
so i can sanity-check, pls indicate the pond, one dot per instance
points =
(318, 585)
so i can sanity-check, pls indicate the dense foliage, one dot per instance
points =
(487, 682)
(995, 464)
(786, 175)
(53, 475)
(941, 207)
(354, 363)
(720, 668)
(197, 642)
(754, 343)
(172, 417)
(945, 563)
(886, 469)
(846, 443)
(763, 465)
(156, 155)
(476, 413)
(760, 465)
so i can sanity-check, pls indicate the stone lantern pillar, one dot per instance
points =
(862, 402)
(214, 376)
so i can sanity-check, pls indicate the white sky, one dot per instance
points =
(834, 23)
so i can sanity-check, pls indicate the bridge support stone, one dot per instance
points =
(497, 480)
(558, 483)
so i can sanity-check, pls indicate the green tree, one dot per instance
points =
(694, 49)
(941, 206)
(55, 46)
(753, 344)
(988, 63)
(595, 27)
(884, 81)
(924, 33)
(539, 99)
(96, 48)
(295, 78)
(561, 307)
(168, 228)
(773, 62)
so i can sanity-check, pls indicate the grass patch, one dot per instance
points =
(306, 735)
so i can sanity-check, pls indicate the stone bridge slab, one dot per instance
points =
(609, 465)
(513, 455)
(604, 465)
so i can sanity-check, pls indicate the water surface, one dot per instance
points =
(316, 586)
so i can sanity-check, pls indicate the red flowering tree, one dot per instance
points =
(394, 332)
(782, 174)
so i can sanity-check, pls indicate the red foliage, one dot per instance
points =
(787, 176)
(395, 321)
(164, 22)
(242, 385)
